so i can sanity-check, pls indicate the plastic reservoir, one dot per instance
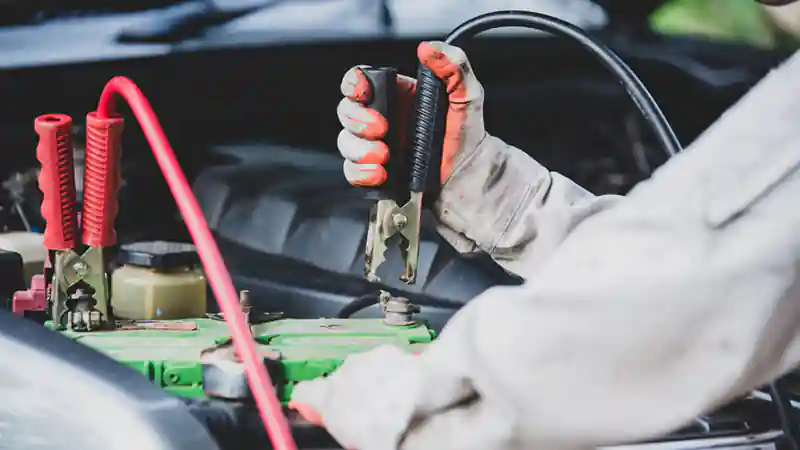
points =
(158, 281)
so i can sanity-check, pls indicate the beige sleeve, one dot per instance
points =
(503, 202)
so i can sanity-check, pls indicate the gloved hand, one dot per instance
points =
(336, 403)
(494, 197)
(408, 389)
(359, 142)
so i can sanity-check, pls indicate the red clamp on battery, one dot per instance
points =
(102, 179)
(33, 299)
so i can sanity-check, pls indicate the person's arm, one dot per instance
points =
(662, 307)
(501, 201)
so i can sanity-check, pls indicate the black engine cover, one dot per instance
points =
(293, 233)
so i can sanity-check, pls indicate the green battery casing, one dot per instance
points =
(308, 348)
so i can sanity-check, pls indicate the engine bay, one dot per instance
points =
(292, 234)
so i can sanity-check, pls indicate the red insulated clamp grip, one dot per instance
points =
(57, 180)
(102, 179)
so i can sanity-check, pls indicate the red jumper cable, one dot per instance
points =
(98, 137)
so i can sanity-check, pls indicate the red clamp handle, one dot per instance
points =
(102, 179)
(57, 181)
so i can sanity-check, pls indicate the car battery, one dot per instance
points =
(171, 353)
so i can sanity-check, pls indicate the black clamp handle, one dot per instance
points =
(418, 167)
(384, 100)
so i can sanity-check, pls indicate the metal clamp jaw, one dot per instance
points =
(386, 220)
(79, 290)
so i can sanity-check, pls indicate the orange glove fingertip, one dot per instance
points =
(361, 90)
(379, 154)
(435, 60)
(375, 128)
(427, 53)
(307, 413)
(372, 178)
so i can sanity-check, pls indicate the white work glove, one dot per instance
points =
(337, 402)
(411, 391)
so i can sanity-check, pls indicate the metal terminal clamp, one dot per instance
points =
(398, 311)
(82, 314)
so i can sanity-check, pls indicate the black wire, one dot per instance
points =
(357, 304)
(635, 88)
(783, 406)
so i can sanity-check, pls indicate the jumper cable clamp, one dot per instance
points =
(412, 171)
(78, 292)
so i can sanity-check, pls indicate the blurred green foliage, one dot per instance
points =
(743, 21)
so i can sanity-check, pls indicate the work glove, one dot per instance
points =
(409, 389)
(365, 153)
(494, 198)
(360, 140)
